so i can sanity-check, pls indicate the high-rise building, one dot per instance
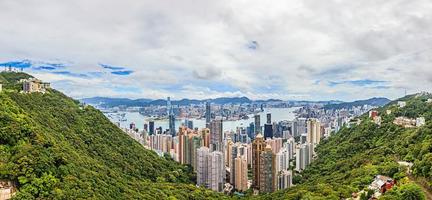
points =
(216, 171)
(145, 127)
(132, 126)
(282, 160)
(313, 131)
(257, 124)
(304, 156)
(284, 179)
(268, 131)
(208, 113)
(171, 117)
(258, 146)
(241, 173)
(151, 128)
(251, 130)
(205, 134)
(267, 171)
(188, 123)
(172, 125)
(202, 166)
(234, 153)
(195, 143)
(301, 126)
(290, 146)
(216, 135)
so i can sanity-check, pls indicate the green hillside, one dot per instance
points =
(54, 149)
(348, 161)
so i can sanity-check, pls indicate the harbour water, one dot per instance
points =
(277, 114)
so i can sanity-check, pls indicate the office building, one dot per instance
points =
(257, 124)
(208, 113)
(251, 130)
(268, 131)
(151, 128)
(171, 117)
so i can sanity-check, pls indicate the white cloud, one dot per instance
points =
(174, 44)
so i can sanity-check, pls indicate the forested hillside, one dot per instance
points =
(52, 148)
(348, 161)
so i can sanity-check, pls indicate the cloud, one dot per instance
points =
(281, 49)
(122, 73)
(111, 67)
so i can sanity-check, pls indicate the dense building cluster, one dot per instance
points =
(261, 157)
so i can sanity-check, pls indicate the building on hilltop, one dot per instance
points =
(7, 189)
(408, 122)
(35, 85)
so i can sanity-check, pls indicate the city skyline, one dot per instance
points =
(297, 50)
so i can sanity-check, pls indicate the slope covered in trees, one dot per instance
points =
(348, 161)
(53, 148)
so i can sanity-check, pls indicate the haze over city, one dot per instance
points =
(299, 50)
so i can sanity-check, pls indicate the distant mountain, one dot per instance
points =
(372, 102)
(112, 102)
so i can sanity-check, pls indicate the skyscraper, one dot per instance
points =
(234, 153)
(171, 117)
(241, 173)
(251, 130)
(216, 135)
(282, 160)
(284, 179)
(257, 124)
(205, 134)
(267, 171)
(268, 131)
(216, 171)
(313, 131)
(258, 146)
(208, 113)
(151, 127)
(304, 156)
(202, 166)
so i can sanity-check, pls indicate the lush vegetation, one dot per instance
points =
(53, 148)
(348, 161)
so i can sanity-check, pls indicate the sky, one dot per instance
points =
(289, 50)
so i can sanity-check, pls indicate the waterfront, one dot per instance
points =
(278, 114)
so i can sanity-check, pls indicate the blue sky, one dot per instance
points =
(300, 49)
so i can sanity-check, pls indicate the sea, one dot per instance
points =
(126, 118)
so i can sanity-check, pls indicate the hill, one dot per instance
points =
(348, 160)
(52, 148)
(378, 102)
(112, 102)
